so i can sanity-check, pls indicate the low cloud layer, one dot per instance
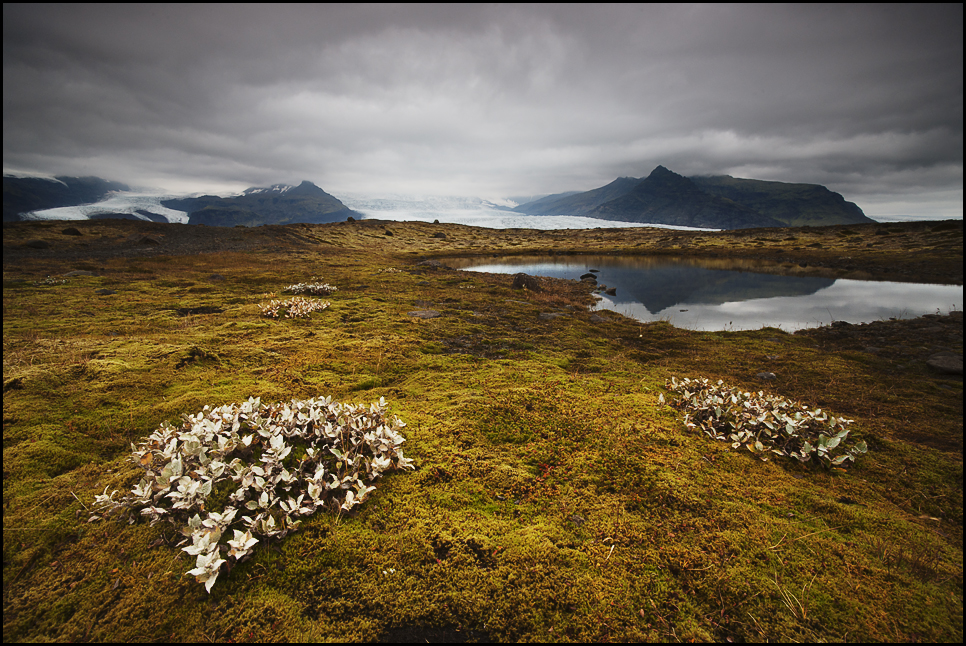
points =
(491, 100)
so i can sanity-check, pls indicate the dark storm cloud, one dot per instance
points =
(491, 100)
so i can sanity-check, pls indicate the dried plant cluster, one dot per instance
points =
(276, 463)
(764, 424)
(295, 307)
(315, 289)
(50, 281)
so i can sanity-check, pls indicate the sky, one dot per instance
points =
(491, 101)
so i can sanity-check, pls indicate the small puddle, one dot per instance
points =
(728, 294)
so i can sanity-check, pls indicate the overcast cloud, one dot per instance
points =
(491, 101)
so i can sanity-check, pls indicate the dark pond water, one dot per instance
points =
(730, 295)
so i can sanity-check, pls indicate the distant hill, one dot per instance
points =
(25, 194)
(576, 203)
(278, 204)
(723, 202)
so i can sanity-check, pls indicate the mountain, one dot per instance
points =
(278, 204)
(25, 194)
(664, 197)
(797, 205)
(574, 203)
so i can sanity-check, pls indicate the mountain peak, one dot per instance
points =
(662, 173)
(308, 188)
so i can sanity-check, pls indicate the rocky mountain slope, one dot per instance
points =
(278, 204)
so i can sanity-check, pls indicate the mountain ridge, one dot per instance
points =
(720, 202)
(277, 204)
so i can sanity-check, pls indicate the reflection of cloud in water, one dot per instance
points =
(846, 300)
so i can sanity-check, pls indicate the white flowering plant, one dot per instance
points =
(291, 308)
(315, 289)
(277, 463)
(764, 424)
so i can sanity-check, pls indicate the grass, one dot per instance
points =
(554, 498)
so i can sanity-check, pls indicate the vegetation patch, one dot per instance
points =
(315, 289)
(764, 424)
(292, 308)
(287, 460)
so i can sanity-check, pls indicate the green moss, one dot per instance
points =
(555, 499)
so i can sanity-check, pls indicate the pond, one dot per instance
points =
(730, 295)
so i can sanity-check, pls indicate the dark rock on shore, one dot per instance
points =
(946, 363)
(525, 281)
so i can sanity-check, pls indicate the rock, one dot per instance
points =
(72, 231)
(104, 292)
(597, 318)
(79, 272)
(424, 314)
(137, 238)
(947, 364)
(439, 234)
(549, 316)
(611, 291)
(767, 376)
(525, 281)
(589, 277)
(841, 324)
(37, 244)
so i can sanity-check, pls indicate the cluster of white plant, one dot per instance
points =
(50, 281)
(315, 289)
(276, 463)
(764, 424)
(295, 307)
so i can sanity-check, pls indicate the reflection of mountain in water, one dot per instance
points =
(727, 294)
(660, 283)
(660, 287)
